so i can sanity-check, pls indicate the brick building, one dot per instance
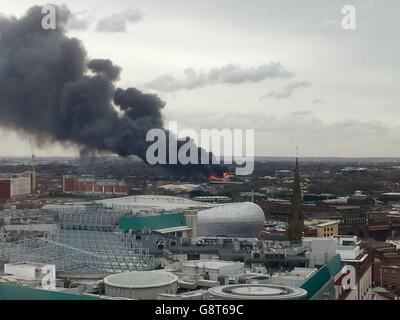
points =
(390, 276)
(87, 184)
(15, 185)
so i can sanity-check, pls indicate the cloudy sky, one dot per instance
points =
(284, 68)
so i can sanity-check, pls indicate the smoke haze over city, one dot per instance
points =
(300, 80)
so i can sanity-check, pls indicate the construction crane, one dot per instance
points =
(33, 169)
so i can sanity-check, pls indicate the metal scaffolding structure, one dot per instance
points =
(29, 216)
(87, 241)
(87, 218)
(82, 252)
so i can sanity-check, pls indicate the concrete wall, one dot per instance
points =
(191, 221)
(21, 270)
(320, 250)
(29, 271)
(366, 285)
(348, 252)
(140, 293)
(363, 289)
(20, 186)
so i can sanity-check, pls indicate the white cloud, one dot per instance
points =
(287, 91)
(228, 74)
(119, 22)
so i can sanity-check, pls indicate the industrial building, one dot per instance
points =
(15, 185)
(87, 184)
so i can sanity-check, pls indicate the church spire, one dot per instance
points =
(296, 221)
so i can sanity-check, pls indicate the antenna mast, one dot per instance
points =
(33, 168)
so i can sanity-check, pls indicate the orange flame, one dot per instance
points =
(225, 177)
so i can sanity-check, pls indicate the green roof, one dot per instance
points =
(335, 265)
(12, 292)
(159, 222)
(322, 276)
(380, 290)
(316, 282)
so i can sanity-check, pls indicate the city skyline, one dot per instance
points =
(289, 71)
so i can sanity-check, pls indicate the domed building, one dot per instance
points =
(242, 219)
(183, 217)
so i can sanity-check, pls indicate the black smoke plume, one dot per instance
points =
(51, 89)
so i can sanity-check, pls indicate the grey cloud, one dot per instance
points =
(76, 21)
(228, 74)
(119, 22)
(302, 113)
(361, 127)
(304, 123)
(287, 91)
(279, 134)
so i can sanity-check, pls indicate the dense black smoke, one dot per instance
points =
(51, 89)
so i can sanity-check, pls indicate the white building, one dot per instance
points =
(33, 274)
(212, 270)
(321, 250)
(15, 185)
(152, 203)
(294, 278)
(241, 219)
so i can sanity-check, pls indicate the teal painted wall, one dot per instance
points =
(162, 221)
(11, 292)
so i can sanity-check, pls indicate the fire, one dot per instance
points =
(225, 177)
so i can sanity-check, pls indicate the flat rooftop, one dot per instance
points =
(155, 201)
(141, 279)
(210, 264)
(328, 223)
